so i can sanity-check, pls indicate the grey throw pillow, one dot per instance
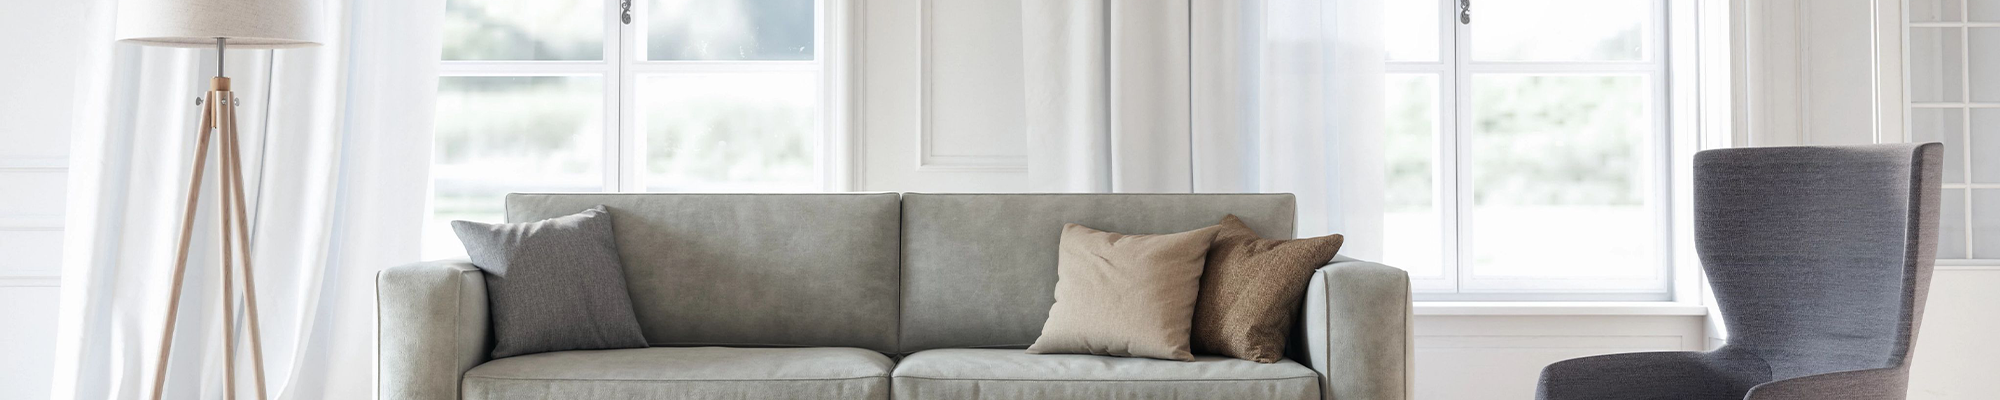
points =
(554, 284)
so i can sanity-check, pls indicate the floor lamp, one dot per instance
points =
(221, 24)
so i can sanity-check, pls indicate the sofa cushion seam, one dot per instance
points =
(457, 315)
(1313, 377)
(676, 380)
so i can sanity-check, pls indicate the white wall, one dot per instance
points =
(1500, 357)
(973, 149)
(1819, 72)
(34, 127)
(937, 79)
(1957, 357)
(1811, 72)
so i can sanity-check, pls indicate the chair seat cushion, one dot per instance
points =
(1014, 374)
(685, 373)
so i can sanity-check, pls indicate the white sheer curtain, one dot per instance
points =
(1212, 96)
(336, 139)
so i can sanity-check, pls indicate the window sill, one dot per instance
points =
(1470, 308)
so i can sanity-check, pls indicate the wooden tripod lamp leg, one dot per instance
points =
(233, 164)
(180, 257)
(228, 270)
(218, 118)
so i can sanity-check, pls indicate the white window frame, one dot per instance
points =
(624, 62)
(1965, 106)
(1673, 66)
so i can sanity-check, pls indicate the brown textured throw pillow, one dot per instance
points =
(1250, 292)
(1125, 295)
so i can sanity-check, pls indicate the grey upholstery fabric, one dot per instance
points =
(553, 284)
(431, 328)
(979, 270)
(685, 374)
(1657, 375)
(751, 270)
(1355, 331)
(1012, 374)
(823, 270)
(1820, 258)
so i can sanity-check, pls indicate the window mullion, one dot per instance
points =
(625, 146)
(721, 66)
(522, 68)
(1457, 186)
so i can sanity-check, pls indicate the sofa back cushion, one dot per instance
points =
(979, 270)
(751, 269)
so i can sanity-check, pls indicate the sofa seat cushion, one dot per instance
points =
(685, 373)
(1014, 374)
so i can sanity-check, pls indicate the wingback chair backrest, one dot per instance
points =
(1820, 257)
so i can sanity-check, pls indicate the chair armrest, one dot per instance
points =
(1870, 384)
(1356, 331)
(431, 326)
(1655, 375)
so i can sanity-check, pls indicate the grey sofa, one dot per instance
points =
(1821, 258)
(876, 296)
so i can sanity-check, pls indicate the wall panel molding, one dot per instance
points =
(31, 223)
(1819, 72)
(929, 157)
(1614, 343)
(1500, 357)
(33, 164)
(30, 281)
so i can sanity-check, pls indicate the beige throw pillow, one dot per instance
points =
(1250, 292)
(1125, 295)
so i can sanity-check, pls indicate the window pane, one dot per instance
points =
(1982, 10)
(1945, 125)
(1560, 30)
(1935, 10)
(1984, 64)
(1411, 30)
(1985, 146)
(1936, 65)
(1412, 226)
(524, 30)
(730, 30)
(497, 135)
(1986, 224)
(723, 132)
(1562, 169)
(1951, 226)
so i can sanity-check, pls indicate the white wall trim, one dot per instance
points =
(1779, 99)
(31, 223)
(1767, 103)
(1802, 20)
(10, 281)
(1499, 357)
(847, 65)
(33, 164)
(1566, 308)
(1485, 342)
(1887, 49)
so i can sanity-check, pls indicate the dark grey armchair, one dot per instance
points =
(1820, 258)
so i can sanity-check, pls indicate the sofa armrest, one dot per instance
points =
(431, 326)
(1356, 331)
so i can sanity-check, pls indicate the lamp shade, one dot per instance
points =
(247, 24)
